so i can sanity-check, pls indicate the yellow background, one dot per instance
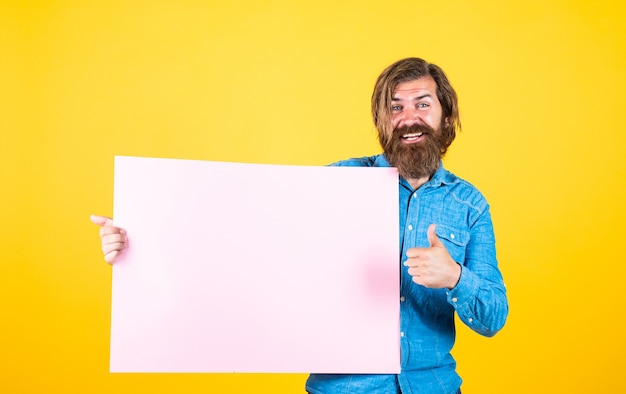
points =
(541, 86)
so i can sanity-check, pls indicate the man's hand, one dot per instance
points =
(433, 266)
(113, 238)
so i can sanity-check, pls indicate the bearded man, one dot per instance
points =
(447, 244)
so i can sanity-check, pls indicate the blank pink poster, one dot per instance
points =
(237, 267)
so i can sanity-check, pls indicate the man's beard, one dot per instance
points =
(416, 160)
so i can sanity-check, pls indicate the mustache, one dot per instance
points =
(413, 129)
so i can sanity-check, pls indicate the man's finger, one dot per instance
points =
(433, 239)
(413, 253)
(101, 220)
(109, 247)
(111, 256)
(112, 233)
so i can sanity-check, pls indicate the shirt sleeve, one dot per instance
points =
(479, 297)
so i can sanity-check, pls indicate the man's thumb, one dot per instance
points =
(433, 239)
(101, 220)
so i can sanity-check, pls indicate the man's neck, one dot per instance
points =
(417, 182)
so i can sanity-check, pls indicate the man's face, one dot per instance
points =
(414, 145)
(416, 102)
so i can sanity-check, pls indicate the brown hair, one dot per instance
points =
(410, 69)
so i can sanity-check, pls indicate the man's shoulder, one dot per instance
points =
(365, 161)
(461, 189)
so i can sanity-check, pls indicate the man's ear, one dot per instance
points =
(447, 121)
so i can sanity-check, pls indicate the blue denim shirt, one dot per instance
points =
(427, 331)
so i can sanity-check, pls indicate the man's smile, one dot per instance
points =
(410, 138)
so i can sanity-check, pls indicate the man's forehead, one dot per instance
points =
(422, 84)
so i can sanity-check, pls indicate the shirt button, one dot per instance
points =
(470, 320)
(401, 299)
(454, 299)
(451, 236)
(402, 334)
(410, 227)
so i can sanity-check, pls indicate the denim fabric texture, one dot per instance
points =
(427, 331)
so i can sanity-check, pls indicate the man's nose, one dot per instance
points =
(409, 118)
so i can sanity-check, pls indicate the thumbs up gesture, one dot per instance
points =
(433, 266)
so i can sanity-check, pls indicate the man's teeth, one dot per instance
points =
(412, 135)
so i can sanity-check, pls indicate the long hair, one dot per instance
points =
(410, 69)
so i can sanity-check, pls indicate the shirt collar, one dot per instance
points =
(441, 176)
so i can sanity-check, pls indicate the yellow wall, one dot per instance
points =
(541, 84)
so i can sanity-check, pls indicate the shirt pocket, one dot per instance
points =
(454, 239)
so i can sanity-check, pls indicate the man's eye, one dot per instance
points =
(396, 108)
(423, 105)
